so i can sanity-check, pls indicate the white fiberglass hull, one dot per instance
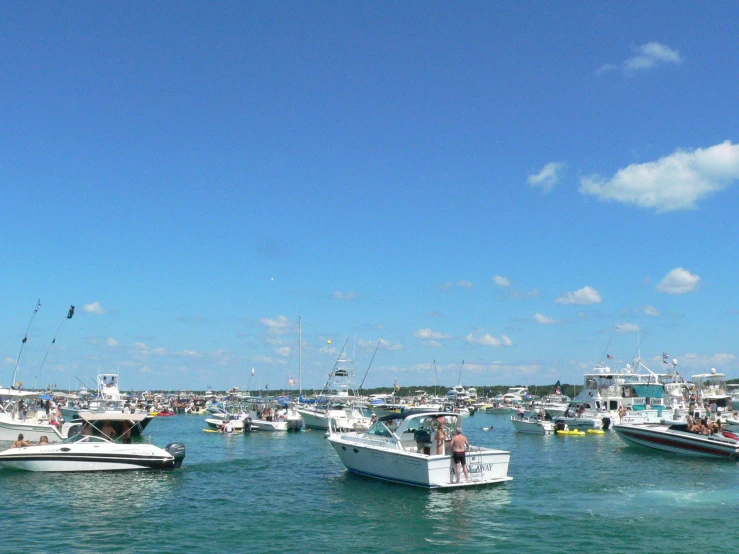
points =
(338, 419)
(32, 431)
(420, 470)
(260, 425)
(55, 459)
(533, 427)
(662, 437)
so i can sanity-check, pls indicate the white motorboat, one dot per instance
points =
(677, 439)
(90, 453)
(532, 423)
(334, 414)
(398, 448)
(273, 418)
(20, 413)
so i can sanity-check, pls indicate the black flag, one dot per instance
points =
(71, 312)
(24, 340)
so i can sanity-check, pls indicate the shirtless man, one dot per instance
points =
(459, 445)
(20, 442)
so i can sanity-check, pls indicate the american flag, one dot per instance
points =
(665, 357)
(609, 357)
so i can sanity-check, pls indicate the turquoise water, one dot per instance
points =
(290, 493)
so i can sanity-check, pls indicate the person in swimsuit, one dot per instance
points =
(440, 436)
(459, 446)
(20, 442)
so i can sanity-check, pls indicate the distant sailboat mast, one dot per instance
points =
(300, 356)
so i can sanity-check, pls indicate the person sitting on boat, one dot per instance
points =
(86, 430)
(228, 427)
(459, 446)
(126, 433)
(373, 419)
(44, 440)
(21, 442)
(108, 430)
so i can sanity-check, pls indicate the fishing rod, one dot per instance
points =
(24, 341)
(70, 313)
(370, 364)
(459, 378)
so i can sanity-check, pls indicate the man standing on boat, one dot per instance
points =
(459, 445)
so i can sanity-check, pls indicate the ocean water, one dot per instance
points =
(290, 493)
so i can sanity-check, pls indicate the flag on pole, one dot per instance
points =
(38, 305)
(665, 357)
(291, 382)
(71, 312)
(609, 357)
(252, 372)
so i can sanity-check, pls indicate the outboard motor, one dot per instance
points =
(177, 449)
(560, 426)
(247, 424)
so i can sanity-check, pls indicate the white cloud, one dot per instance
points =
(489, 340)
(351, 295)
(191, 353)
(678, 281)
(432, 343)
(111, 342)
(547, 177)
(278, 326)
(268, 361)
(95, 309)
(384, 345)
(627, 328)
(651, 310)
(144, 349)
(284, 351)
(541, 318)
(9, 360)
(465, 284)
(674, 182)
(445, 286)
(428, 334)
(647, 56)
(501, 281)
(586, 295)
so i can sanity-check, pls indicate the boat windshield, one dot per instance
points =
(379, 429)
(82, 438)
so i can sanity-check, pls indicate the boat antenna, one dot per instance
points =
(379, 342)
(24, 341)
(70, 313)
(459, 378)
(300, 358)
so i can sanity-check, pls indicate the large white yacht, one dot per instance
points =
(402, 448)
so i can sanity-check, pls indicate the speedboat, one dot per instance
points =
(677, 439)
(91, 453)
(531, 423)
(398, 448)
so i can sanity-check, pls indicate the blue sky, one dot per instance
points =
(522, 186)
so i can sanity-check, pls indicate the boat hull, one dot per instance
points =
(432, 472)
(32, 432)
(688, 444)
(54, 460)
(533, 427)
